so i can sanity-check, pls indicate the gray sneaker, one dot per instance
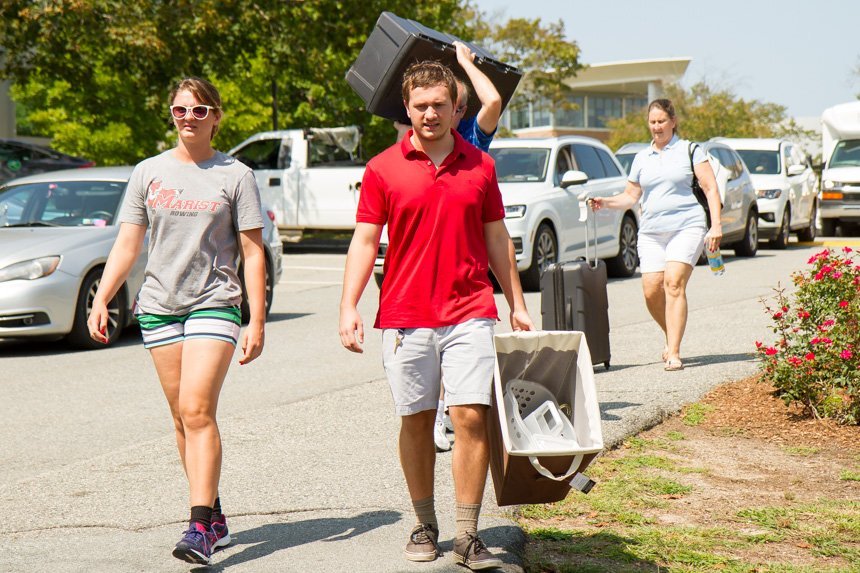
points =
(471, 552)
(423, 543)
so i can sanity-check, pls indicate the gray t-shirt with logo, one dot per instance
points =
(195, 212)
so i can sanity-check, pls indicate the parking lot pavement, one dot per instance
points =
(90, 479)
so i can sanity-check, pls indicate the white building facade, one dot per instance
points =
(601, 92)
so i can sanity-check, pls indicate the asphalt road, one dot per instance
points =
(90, 479)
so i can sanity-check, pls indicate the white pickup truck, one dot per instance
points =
(310, 178)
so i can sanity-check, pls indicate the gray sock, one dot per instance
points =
(425, 511)
(467, 519)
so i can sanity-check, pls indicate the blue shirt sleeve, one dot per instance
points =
(471, 132)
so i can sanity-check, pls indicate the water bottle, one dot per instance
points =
(715, 260)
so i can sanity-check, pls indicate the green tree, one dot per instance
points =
(93, 75)
(704, 112)
(547, 59)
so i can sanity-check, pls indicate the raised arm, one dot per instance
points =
(485, 91)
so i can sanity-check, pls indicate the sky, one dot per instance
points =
(799, 54)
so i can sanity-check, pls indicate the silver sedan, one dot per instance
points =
(56, 231)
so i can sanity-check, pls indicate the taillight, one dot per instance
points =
(271, 215)
(87, 164)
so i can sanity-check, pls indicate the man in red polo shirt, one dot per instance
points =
(440, 199)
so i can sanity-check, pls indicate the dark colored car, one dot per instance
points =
(18, 159)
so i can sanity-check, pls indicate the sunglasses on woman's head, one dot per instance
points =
(197, 111)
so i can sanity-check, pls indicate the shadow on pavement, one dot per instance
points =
(51, 347)
(718, 359)
(280, 316)
(688, 361)
(510, 537)
(605, 407)
(613, 367)
(268, 539)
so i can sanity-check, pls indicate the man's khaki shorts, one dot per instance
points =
(416, 360)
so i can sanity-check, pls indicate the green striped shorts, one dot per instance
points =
(216, 323)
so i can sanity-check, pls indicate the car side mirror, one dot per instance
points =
(796, 170)
(573, 177)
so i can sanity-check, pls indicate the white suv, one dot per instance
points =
(542, 211)
(785, 186)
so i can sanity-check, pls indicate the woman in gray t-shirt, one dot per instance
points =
(672, 226)
(203, 211)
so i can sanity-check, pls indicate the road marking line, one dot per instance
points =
(831, 243)
(338, 269)
(310, 283)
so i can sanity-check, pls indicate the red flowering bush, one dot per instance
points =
(814, 360)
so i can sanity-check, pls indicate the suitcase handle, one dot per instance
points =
(574, 467)
(584, 212)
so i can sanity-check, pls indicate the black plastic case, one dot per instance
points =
(394, 44)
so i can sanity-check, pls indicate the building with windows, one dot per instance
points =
(600, 92)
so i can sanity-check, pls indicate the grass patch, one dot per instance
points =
(695, 414)
(730, 432)
(800, 450)
(821, 530)
(675, 436)
(849, 475)
(701, 471)
(610, 529)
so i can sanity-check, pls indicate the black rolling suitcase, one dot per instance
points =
(573, 297)
(394, 44)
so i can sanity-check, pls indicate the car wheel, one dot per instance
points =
(79, 337)
(781, 240)
(270, 291)
(748, 246)
(625, 262)
(829, 227)
(808, 234)
(544, 253)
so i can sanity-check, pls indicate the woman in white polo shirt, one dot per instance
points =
(673, 227)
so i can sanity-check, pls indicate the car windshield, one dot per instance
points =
(520, 164)
(626, 160)
(760, 162)
(846, 154)
(60, 203)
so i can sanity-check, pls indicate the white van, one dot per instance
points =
(840, 178)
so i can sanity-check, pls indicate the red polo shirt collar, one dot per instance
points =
(409, 151)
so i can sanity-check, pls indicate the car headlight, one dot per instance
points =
(515, 211)
(769, 193)
(29, 270)
(830, 184)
